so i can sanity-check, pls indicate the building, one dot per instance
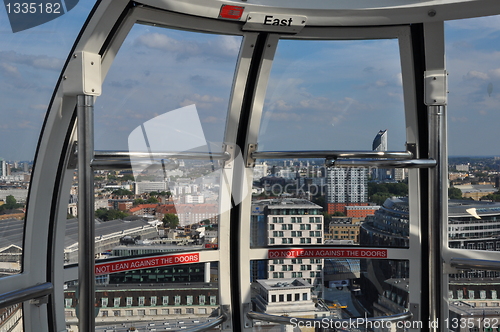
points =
(380, 144)
(360, 212)
(476, 191)
(288, 221)
(290, 296)
(346, 186)
(149, 186)
(343, 228)
(149, 303)
(389, 226)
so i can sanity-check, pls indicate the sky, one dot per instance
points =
(333, 95)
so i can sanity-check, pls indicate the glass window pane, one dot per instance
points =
(315, 205)
(334, 95)
(474, 205)
(344, 288)
(30, 65)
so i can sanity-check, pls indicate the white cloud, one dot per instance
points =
(9, 71)
(474, 74)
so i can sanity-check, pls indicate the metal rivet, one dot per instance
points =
(251, 45)
(434, 78)
(431, 13)
(93, 90)
(65, 77)
(92, 63)
(74, 55)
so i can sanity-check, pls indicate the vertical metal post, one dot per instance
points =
(438, 212)
(86, 278)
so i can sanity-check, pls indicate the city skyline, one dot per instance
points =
(330, 114)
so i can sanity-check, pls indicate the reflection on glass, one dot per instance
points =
(473, 208)
(175, 296)
(11, 318)
(302, 202)
(333, 95)
(348, 288)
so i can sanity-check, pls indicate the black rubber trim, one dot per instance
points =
(417, 36)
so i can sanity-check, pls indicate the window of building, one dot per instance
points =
(153, 300)
(129, 301)
(104, 313)
(304, 297)
(164, 300)
(213, 300)
(201, 299)
(116, 313)
(189, 310)
(140, 301)
(129, 312)
(178, 311)
(104, 302)
(202, 311)
(189, 300)
(68, 302)
(165, 311)
(153, 312)
(141, 312)
(116, 302)
(177, 300)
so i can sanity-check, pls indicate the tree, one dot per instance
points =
(152, 200)
(106, 215)
(128, 177)
(10, 203)
(122, 192)
(454, 193)
(139, 201)
(170, 220)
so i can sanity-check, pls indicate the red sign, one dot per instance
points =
(143, 263)
(327, 253)
(231, 12)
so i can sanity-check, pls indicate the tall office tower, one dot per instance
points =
(380, 144)
(4, 168)
(346, 186)
(289, 221)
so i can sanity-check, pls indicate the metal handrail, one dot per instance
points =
(125, 159)
(331, 154)
(29, 293)
(471, 263)
(408, 163)
(284, 320)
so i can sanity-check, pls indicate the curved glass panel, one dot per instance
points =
(30, 65)
(474, 206)
(471, 51)
(302, 202)
(330, 289)
(334, 95)
(175, 297)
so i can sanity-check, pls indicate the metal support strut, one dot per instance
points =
(86, 278)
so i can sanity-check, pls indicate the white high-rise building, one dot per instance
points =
(347, 185)
(290, 221)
